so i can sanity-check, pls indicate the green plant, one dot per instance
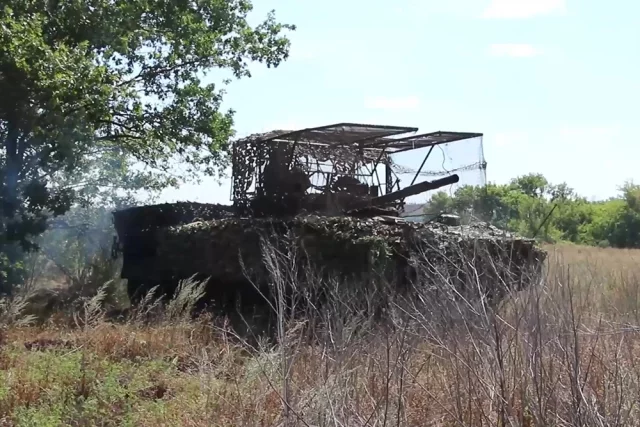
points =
(105, 98)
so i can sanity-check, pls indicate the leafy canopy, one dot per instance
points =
(532, 206)
(92, 89)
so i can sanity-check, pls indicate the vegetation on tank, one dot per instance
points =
(230, 252)
(322, 238)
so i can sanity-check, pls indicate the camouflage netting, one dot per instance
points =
(250, 155)
(136, 226)
(166, 215)
(341, 243)
(347, 247)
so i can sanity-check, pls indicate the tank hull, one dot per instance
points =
(239, 256)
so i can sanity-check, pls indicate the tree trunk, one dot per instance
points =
(12, 171)
(10, 253)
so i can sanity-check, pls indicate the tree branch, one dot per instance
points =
(119, 136)
(155, 71)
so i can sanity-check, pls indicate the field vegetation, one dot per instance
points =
(563, 352)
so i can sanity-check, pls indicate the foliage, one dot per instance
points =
(523, 204)
(562, 354)
(105, 95)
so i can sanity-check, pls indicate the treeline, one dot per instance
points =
(533, 207)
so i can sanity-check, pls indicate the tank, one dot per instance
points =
(312, 201)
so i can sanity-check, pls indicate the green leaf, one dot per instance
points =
(103, 98)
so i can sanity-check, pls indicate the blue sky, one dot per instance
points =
(554, 85)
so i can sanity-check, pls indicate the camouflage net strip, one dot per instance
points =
(345, 244)
(142, 218)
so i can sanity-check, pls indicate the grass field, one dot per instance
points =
(563, 354)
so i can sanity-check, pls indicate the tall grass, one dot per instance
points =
(562, 351)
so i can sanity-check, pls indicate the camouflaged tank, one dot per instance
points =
(314, 196)
(164, 244)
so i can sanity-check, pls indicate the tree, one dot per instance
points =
(92, 83)
(574, 218)
(440, 202)
(625, 227)
(533, 185)
(485, 203)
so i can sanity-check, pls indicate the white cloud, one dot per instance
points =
(514, 50)
(517, 9)
(384, 103)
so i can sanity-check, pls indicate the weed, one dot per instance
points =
(563, 352)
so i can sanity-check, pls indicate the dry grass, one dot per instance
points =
(562, 354)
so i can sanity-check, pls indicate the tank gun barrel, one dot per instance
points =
(409, 191)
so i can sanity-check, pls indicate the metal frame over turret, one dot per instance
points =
(330, 170)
